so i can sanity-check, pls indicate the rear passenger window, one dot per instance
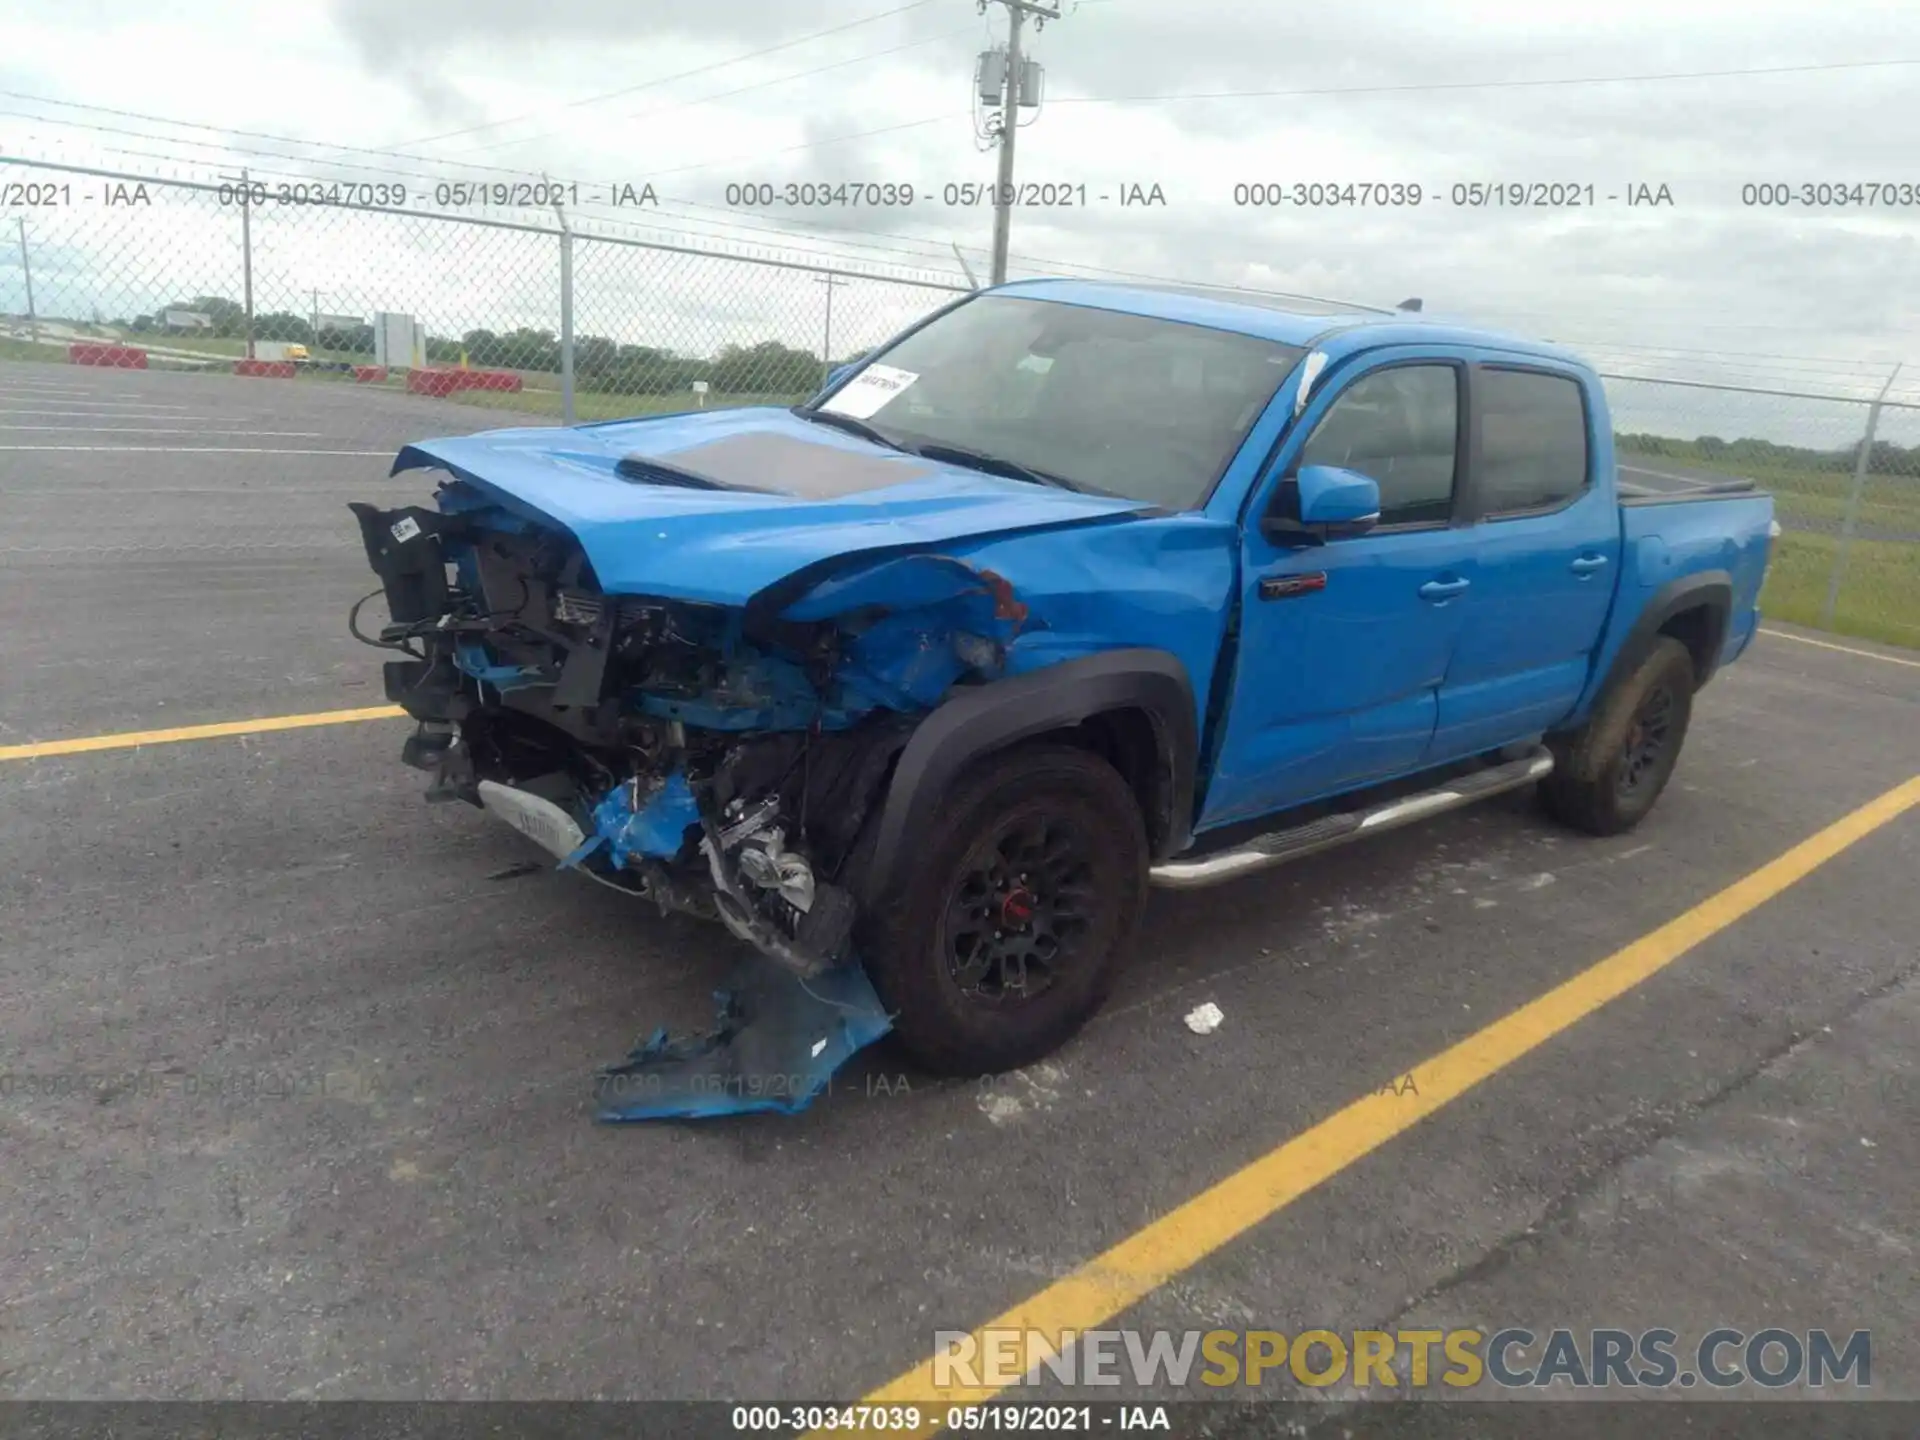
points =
(1533, 441)
(1399, 427)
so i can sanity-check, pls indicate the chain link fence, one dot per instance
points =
(407, 315)
(1844, 474)
(543, 320)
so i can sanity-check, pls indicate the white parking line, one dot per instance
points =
(136, 412)
(199, 450)
(165, 430)
(1843, 649)
(84, 406)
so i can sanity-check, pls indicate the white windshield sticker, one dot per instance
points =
(862, 396)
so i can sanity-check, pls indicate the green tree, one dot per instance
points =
(279, 325)
(769, 368)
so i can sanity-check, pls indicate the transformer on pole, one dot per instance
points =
(1005, 78)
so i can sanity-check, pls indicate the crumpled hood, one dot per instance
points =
(717, 506)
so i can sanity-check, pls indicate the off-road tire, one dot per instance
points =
(916, 951)
(1604, 781)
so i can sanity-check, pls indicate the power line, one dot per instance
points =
(669, 79)
(729, 94)
(1428, 87)
(443, 161)
(386, 154)
(815, 144)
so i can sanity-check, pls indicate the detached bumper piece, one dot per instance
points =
(775, 1045)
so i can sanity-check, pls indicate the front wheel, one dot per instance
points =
(1607, 776)
(1008, 929)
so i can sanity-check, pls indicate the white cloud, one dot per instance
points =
(1708, 286)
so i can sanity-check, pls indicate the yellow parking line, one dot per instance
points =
(1109, 1283)
(1843, 649)
(129, 739)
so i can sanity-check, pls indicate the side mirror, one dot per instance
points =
(1322, 503)
(839, 373)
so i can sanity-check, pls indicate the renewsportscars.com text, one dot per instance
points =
(1512, 1358)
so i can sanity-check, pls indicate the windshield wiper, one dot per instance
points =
(992, 464)
(848, 424)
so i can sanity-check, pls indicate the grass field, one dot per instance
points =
(1879, 592)
(1818, 497)
(27, 350)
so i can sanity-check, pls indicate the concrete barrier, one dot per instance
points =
(266, 369)
(120, 357)
(369, 374)
(432, 382)
(491, 380)
(445, 382)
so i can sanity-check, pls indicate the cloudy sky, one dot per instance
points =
(693, 98)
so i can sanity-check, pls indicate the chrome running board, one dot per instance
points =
(1281, 846)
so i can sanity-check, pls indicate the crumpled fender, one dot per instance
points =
(980, 720)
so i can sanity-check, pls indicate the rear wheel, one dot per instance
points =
(1006, 933)
(1607, 776)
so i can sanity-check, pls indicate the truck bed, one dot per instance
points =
(1715, 535)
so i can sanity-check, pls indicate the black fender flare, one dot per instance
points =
(1708, 589)
(977, 721)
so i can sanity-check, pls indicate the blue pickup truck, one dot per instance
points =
(1069, 591)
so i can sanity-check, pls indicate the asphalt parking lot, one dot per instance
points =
(334, 1138)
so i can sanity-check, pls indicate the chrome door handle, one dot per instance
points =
(1442, 589)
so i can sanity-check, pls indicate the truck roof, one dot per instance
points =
(1289, 319)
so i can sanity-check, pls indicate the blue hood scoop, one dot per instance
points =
(781, 464)
(716, 506)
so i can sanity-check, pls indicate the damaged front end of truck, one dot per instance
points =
(685, 655)
(715, 759)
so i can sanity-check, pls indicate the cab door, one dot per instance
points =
(1547, 536)
(1343, 646)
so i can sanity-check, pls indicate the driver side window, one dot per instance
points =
(1400, 427)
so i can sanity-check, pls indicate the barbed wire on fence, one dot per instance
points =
(564, 317)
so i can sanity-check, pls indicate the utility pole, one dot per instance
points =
(1020, 87)
(315, 328)
(33, 324)
(832, 282)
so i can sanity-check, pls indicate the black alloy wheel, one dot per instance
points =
(1020, 911)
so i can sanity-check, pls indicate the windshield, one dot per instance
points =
(1127, 404)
